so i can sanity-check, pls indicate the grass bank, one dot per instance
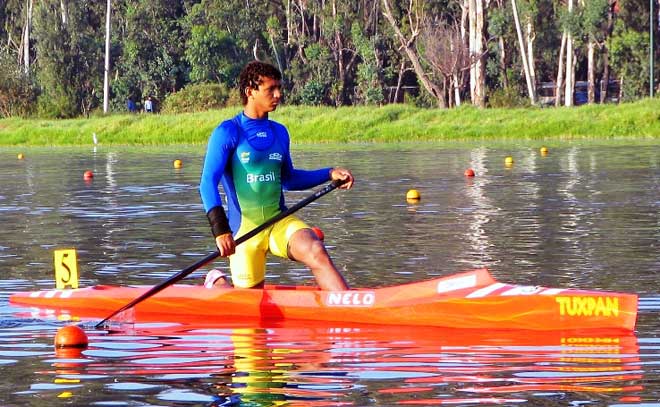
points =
(388, 124)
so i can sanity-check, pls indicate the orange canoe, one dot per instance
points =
(471, 299)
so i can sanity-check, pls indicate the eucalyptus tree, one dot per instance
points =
(149, 47)
(629, 48)
(15, 37)
(406, 28)
(594, 21)
(69, 55)
(447, 54)
(222, 35)
(477, 46)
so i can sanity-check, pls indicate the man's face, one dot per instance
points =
(266, 98)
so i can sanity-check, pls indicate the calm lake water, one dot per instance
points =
(586, 215)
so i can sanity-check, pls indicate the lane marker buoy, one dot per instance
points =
(413, 194)
(319, 233)
(71, 336)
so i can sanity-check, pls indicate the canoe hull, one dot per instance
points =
(467, 300)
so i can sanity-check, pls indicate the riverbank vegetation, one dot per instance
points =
(391, 123)
(55, 62)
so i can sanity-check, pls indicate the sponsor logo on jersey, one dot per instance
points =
(245, 157)
(261, 134)
(275, 156)
(252, 178)
(588, 306)
(350, 299)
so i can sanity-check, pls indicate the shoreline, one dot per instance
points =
(353, 125)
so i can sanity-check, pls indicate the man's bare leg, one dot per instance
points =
(305, 247)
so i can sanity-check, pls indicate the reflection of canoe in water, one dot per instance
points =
(315, 364)
(467, 300)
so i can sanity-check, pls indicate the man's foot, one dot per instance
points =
(216, 278)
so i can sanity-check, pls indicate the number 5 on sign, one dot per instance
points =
(66, 269)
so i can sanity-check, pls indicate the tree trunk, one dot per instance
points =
(569, 84)
(606, 59)
(570, 70)
(530, 54)
(106, 67)
(476, 46)
(591, 72)
(399, 81)
(505, 79)
(560, 71)
(25, 43)
(64, 11)
(531, 90)
(457, 88)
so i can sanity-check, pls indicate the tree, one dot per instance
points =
(407, 43)
(525, 55)
(211, 54)
(151, 58)
(476, 11)
(446, 52)
(69, 56)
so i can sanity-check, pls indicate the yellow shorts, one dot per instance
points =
(248, 263)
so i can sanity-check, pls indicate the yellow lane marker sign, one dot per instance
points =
(66, 268)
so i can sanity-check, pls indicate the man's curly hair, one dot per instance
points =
(252, 76)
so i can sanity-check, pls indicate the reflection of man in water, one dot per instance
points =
(257, 372)
(265, 367)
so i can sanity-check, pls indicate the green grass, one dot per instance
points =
(388, 124)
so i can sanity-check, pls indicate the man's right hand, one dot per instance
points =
(226, 244)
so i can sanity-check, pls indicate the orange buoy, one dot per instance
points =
(88, 175)
(319, 233)
(469, 172)
(71, 336)
(178, 163)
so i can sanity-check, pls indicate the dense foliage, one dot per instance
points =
(186, 54)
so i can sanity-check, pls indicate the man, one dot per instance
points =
(250, 155)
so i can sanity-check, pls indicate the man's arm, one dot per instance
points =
(220, 147)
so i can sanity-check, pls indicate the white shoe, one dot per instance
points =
(215, 276)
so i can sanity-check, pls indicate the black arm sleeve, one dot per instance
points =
(218, 221)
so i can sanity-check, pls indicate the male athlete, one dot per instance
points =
(250, 155)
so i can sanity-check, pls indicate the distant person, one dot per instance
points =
(130, 105)
(249, 154)
(149, 105)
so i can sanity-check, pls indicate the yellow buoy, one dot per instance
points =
(544, 150)
(21, 156)
(413, 195)
(508, 160)
(178, 163)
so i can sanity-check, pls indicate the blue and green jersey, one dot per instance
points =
(251, 158)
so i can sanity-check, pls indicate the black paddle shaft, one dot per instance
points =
(202, 262)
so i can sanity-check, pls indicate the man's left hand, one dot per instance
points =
(342, 174)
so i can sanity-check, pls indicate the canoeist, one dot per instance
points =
(250, 155)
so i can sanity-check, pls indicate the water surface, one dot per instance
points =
(585, 216)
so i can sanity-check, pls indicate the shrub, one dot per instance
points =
(197, 98)
(18, 95)
(313, 93)
(509, 97)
